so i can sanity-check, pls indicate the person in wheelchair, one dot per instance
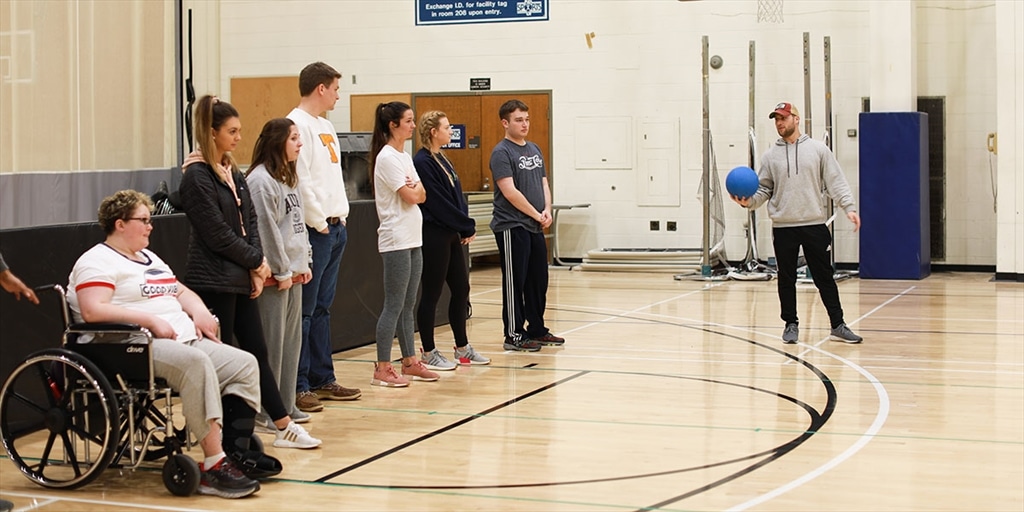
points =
(120, 281)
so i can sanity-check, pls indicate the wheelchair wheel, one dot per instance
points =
(59, 420)
(181, 475)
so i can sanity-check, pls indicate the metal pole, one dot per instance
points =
(705, 268)
(828, 91)
(750, 99)
(179, 83)
(752, 258)
(807, 83)
(828, 137)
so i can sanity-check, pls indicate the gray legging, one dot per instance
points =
(402, 270)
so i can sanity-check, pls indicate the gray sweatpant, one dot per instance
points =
(402, 270)
(281, 314)
(203, 370)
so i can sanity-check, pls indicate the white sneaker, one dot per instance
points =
(294, 436)
(435, 361)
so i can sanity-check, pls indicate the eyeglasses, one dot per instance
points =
(145, 220)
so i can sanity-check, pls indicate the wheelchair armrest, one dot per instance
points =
(103, 326)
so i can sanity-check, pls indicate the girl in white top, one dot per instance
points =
(397, 191)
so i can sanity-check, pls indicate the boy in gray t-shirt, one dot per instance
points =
(522, 209)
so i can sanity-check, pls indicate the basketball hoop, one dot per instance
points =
(769, 11)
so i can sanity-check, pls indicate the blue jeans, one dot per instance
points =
(316, 368)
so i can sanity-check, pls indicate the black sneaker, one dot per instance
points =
(227, 481)
(549, 339)
(255, 464)
(522, 345)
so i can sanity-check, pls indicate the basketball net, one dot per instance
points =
(717, 250)
(769, 11)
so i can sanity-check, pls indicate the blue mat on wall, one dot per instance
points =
(895, 234)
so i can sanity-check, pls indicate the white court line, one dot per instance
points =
(52, 500)
(876, 426)
(641, 308)
(855, 322)
(36, 505)
(863, 440)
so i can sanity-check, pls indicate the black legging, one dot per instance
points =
(239, 315)
(443, 261)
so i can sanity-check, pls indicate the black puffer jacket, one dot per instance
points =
(219, 256)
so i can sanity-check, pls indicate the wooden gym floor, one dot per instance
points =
(669, 395)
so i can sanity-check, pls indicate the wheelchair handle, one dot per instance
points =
(64, 311)
(49, 287)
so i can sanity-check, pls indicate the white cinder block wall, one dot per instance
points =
(645, 64)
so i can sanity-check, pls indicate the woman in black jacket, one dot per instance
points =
(447, 226)
(225, 264)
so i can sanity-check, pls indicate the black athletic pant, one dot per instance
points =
(239, 315)
(443, 262)
(817, 243)
(524, 282)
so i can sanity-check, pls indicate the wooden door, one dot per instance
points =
(462, 110)
(479, 113)
(540, 127)
(363, 107)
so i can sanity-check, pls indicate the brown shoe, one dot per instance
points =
(307, 401)
(335, 391)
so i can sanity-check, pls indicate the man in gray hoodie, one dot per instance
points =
(795, 175)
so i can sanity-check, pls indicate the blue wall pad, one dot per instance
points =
(894, 236)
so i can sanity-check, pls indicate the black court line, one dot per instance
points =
(442, 430)
(818, 420)
(815, 419)
(817, 423)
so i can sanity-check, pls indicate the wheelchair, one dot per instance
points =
(67, 414)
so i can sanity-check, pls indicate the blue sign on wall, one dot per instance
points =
(442, 12)
(458, 137)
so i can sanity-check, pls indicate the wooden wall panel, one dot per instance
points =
(258, 100)
(463, 110)
(364, 105)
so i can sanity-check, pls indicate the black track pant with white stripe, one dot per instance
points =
(524, 282)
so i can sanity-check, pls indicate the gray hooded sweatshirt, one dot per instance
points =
(282, 228)
(794, 179)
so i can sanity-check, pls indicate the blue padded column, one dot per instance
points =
(895, 236)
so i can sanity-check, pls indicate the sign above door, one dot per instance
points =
(444, 12)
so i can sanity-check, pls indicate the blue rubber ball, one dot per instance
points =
(741, 182)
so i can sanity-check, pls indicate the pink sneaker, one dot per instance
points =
(385, 375)
(417, 371)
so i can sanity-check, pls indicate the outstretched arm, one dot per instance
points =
(11, 283)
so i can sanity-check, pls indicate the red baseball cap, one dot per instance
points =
(786, 109)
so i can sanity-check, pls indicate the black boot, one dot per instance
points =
(239, 421)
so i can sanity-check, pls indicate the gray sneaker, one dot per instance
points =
(299, 416)
(844, 334)
(435, 361)
(467, 356)
(264, 425)
(791, 334)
